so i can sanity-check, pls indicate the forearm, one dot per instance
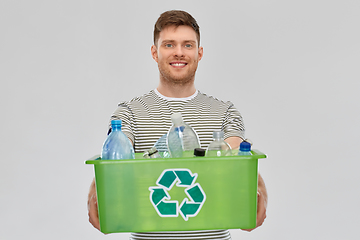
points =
(234, 142)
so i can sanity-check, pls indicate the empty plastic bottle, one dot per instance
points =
(161, 146)
(245, 148)
(218, 147)
(117, 145)
(181, 138)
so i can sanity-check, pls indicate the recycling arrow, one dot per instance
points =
(185, 177)
(162, 202)
(168, 179)
(158, 194)
(188, 209)
(195, 193)
(168, 208)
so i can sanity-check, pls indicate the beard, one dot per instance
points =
(171, 77)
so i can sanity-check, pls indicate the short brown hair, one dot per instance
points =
(175, 18)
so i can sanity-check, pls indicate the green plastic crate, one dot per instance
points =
(177, 194)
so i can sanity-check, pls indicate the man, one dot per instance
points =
(177, 52)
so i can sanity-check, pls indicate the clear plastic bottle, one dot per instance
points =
(181, 138)
(161, 146)
(245, 148)
(218, 147)
(117, 145)
(152, 153)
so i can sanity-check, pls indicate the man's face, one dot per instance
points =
(177, 54)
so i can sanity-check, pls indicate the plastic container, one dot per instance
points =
(177, 194)
(181, 138)
(117, 145)
(218, 147)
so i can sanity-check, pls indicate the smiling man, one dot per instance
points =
(177, 53)
(145, 119)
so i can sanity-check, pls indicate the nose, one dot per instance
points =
(178, 51)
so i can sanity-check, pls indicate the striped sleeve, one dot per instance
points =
(233, 125)
(124, 113)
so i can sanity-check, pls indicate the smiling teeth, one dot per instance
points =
(178, 64)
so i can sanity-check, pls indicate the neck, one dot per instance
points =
(176, 90)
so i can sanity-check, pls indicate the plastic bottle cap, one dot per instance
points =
(117, 122)
(218, 134)
(245, 146)
(199, 152)
(152, 151)
(176, 118)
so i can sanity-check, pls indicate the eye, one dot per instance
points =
(168, 45)
(188, 45)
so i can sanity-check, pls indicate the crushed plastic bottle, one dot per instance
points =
(181, 138)
(117, 145)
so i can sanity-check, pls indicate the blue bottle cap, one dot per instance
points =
(116, 122)
(245, 146)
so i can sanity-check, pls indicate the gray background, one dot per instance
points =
(290, 67)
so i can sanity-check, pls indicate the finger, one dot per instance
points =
(93, 212)
(248, 230)
(261, 212)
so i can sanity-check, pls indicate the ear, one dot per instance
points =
(200, 53)
(154, 53)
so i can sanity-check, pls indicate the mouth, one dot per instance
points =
(178, 64)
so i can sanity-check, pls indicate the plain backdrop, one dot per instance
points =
(290, 67)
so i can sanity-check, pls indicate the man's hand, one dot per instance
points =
(262, 204)
(93, 207)
(262, 194)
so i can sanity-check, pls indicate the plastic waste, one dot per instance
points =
(152, 153)
(181, 138)
(117, 145)
(199, 152)
(245, 148)
(161, 146)
(218, 147)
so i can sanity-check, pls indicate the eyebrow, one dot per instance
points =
(172, 41)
